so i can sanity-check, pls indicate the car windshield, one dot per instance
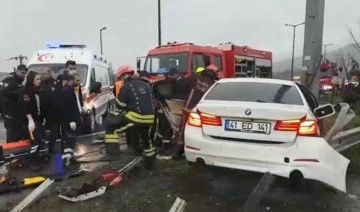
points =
(160, 64)
(255, 92)
(58, 69)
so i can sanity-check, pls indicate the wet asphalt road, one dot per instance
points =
(214, 189)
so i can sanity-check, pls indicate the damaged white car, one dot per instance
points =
(264, 125)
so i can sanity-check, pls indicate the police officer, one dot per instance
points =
(205, 80)
(30, 103)
(136, 98)
(70, 68)
(15, 121)
(50, 104)
(71, 119)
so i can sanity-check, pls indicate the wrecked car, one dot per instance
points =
(263, 125)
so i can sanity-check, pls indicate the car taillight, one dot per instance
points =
(197, 120)
(303, 127)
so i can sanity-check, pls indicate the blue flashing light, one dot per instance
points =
(57, 46)
(53, 46)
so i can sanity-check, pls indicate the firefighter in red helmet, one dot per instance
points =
(120, 82)
(205, 80)
(137, 101)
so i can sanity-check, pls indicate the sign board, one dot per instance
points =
(337, 80)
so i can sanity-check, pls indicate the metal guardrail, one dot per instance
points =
(343, 140)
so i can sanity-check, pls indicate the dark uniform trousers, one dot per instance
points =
(39, 145)
(119, 123)
(68, 140)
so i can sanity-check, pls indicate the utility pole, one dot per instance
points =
(313, 40)
(101, 41)
(326, 45)
(20, 58)
(293, 48)
(159, 22)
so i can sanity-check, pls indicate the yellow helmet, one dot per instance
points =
(199, 70)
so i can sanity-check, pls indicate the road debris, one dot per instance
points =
(33, 195)
(261, 188)
(178, 206)
(94, 189)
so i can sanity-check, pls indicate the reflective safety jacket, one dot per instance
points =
(137, 98)
(117, 87)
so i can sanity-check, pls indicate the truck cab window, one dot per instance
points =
(200, 61)
(218, 62)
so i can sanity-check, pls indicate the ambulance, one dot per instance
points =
(96, 77)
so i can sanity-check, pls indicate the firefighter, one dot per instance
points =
(14, 117)
(50, 104)
(136, 98)
(71, 113)
(144, 76)
(120, 82)
(70, 68)
(30, 103)
(205, 80)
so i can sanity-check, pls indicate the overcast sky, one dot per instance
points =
(27, 25)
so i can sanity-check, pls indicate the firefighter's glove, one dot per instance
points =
(73, 126)
(31, 125)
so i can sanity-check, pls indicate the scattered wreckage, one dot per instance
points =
(172, 108)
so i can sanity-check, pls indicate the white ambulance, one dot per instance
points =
(97, 79)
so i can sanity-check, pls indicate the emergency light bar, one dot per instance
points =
(60, 46)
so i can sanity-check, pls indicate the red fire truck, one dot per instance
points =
(328, 70)
(232, 60)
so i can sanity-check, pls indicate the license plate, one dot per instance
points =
(248, 127)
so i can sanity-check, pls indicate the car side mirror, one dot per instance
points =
(324, 111)
(96, 87)
(138, 64)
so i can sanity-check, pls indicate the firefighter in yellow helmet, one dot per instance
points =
(207, 77)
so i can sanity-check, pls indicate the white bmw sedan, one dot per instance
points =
(264, 125)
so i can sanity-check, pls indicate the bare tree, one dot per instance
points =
(354, 37)
(346, 63)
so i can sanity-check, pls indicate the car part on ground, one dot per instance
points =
(94, 188)
(178, 206)
(33, 196)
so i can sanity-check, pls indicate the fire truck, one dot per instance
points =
(186, 58)
(327, 72)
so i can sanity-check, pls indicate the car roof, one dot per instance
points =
(259, 80)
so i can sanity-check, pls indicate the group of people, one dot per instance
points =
(135, 97)
(35, 102)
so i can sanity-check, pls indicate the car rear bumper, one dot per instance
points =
(313, 157)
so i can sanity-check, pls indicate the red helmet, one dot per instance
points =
(125, 69)
(212, 68)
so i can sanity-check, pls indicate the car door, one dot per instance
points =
(101, 100)
(311, 100)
